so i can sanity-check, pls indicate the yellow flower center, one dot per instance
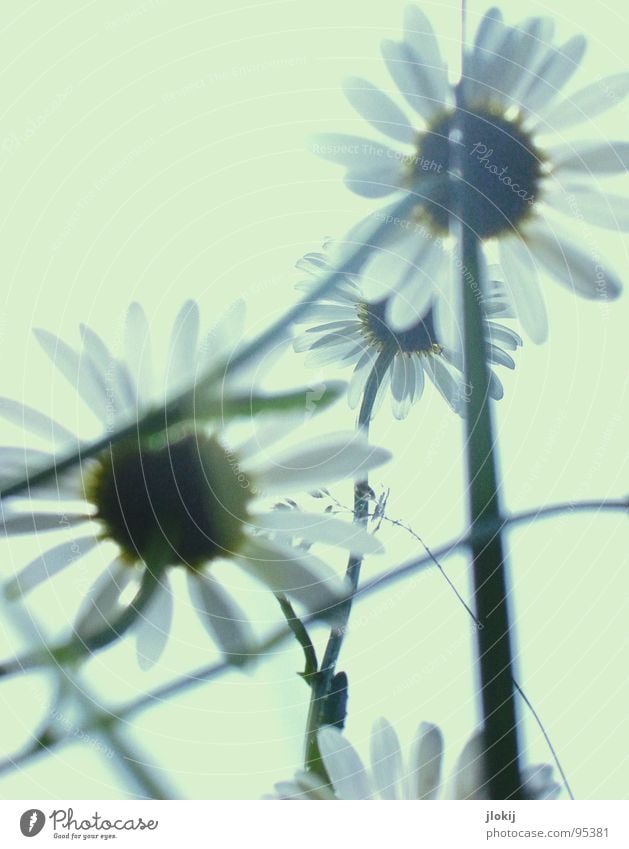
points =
(180, 498)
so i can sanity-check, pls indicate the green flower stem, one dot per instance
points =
(134, 764)
(321, 683)
(301, 635)
(489, 568)
(48, 741)
(480, 536)
(69, 686)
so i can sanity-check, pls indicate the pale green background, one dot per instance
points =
(155, 151)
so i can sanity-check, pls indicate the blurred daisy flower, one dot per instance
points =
(420, 777)
(348, 330)
(186, 495)
(521, 184)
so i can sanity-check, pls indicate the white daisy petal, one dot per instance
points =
(420, 35)
(382, 390)
(489, 31)
(112, 374)
(419, 84)
(13, 524)
(224, 336)
(35, 422)
(267, 430)
(334, 457)
(154, 626)
(412, 298)
(500, 357)
(312, 262)
(419, 379)
(351, 781)
(426, 762)
(386, 760)
(338, 352)
(295, 572)
(15, 460)
(554, 73)
(591, 158)
(344, 327)
(314, 786)
(504, 73)
(319, 527)
(602, 210)
(221, 617)
(360, 376)
(183, 345)
(343, 765)
(329, 312)
(138, 353)
(585, 104)
(79, 372)
(48, 564)
(469, 773)
(521, 280)
(379, 110)
(402, 384)
(450, 389)
(376, 181)
(503, 336)
(531, 52)
(495, 388)
(101, 607)
(538, 782)
(576, 269)
(488, 36)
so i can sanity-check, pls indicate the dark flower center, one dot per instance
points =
(504, 172)
(181, 501)
(421, 338)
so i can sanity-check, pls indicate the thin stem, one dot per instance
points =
(47, 741)
(480, 536)
(321, 683)
(400, 524)
(489, 568)
(301, 635)
(130, 762)
(78, 647)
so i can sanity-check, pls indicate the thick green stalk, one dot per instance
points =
(488, 557)
(321, 683)
(489, 567)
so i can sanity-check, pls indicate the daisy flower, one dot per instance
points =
(349, 330)
(420, 777)
(522, 185)
(186, 497)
